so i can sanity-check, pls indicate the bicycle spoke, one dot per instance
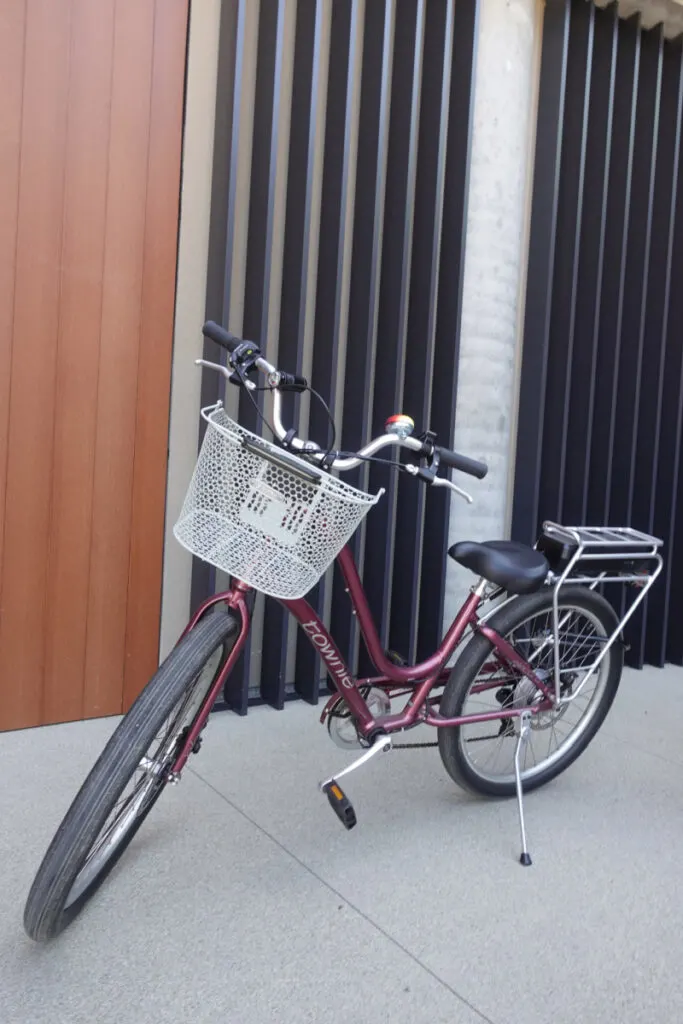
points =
(144, 783)
(493, 753)
(581, 639)
(499, 750)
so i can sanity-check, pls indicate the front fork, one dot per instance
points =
(236, 600)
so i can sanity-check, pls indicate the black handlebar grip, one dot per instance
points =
(462, 462)
(222, 337)
(292, 382)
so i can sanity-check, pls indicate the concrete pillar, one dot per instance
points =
(505, 91)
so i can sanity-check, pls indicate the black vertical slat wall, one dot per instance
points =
(347, 267)
(601, 400)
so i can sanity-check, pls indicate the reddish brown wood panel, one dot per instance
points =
(12, 50)
(91, 109)
(32, 372)
(78, 356)
(119, 347)
(154, 367)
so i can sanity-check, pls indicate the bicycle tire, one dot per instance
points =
(452, 742)
(48, 909)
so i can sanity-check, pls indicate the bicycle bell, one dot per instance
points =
(401, 425)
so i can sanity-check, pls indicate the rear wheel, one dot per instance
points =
(128, 778)
(480, 756)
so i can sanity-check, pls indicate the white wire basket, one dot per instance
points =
(263, 515)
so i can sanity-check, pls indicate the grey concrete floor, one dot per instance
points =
(243, 900)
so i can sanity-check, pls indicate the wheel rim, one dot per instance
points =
(489, 747)
(147, 780)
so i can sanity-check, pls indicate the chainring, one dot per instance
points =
(341, 726)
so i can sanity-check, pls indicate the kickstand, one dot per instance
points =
(522, 740)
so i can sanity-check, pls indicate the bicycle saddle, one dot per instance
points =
(516, 567)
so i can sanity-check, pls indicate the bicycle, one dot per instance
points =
(540, 650)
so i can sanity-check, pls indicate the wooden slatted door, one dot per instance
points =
(91, 109)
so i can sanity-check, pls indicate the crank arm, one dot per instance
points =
(381, 745)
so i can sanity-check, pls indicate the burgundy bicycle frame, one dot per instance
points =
(419, 679)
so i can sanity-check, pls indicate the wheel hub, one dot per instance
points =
(525, 694)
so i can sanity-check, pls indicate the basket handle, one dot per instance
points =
(282, 459)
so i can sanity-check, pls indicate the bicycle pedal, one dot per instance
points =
(340, 803)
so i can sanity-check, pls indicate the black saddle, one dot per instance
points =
(515, 567)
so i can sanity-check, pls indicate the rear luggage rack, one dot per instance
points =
(597, 555)
(599, 550)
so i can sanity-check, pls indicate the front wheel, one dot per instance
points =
(128, 778)
(480, 756)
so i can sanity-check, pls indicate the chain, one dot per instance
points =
(394, 746)
(412, 746)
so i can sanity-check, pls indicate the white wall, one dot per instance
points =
(190, 302)
(505, 99)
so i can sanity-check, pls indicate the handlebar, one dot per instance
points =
(246, 352)
(462, 462)
(222, 337)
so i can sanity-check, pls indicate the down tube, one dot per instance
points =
(325, 646)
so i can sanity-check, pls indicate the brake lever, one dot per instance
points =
(437, 481)
(442, 482)
(227, 372)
